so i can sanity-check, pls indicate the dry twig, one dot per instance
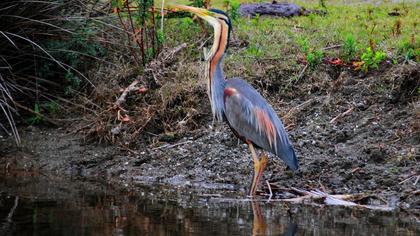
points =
(341, 115)
(166, 146)
(332, 47)
(302, 72)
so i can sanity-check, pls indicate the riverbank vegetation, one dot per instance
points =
(59, 60)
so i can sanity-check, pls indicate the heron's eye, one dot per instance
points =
(224, 19)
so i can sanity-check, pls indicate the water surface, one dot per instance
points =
(44, 206)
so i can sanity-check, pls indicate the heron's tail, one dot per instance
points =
(287, 154)
(293, 163)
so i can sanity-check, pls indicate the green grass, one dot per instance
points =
(355, 27)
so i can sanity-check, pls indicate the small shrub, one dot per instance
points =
(36, 118)
(314, 58)
(303, 44)
(371, 59)
(255, 21)
(75, 50)
(200, 3)
(51, 107)
(408, 50)
(322, 4)
(139, 26)
(31, 67)
(349, 48)
(232, 9)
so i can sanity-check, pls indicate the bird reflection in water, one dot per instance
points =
(259, 227)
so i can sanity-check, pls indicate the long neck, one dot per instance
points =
(215, 88)
(216, 79)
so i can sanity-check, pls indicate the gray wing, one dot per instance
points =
(249, 114)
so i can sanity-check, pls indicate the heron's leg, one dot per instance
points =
(257, 167)
(263, 164)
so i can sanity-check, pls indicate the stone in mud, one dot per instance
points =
(376, 154)
(342, 136)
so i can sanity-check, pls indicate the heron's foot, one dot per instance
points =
(259, 166)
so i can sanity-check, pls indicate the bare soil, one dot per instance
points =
(353, 133)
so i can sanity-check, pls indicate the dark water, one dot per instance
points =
(44, 206)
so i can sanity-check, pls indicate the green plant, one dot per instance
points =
(254, 51)
(322, 4)
(255, 21)
(371, 59)
(303, 44)
(36, 118)
(51, 107)
(40, 109)
(314, 58)
(232, 9)
(408, 50)
(186, 23)
(75, 50)
(349, 48)
(160, 35)
(200, 3)
(312, 18)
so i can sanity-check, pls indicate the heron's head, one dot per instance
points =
(218, 19)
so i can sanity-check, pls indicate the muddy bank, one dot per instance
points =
(352, 134)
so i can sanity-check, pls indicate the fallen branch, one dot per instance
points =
(341, 115)
(130, 88)
(271, 9)
(318, 198)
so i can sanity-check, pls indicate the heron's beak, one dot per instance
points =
(200, 12)
(210, 18)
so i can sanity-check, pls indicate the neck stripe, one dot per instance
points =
(219, 51)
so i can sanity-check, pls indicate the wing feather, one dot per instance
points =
(249, 114)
